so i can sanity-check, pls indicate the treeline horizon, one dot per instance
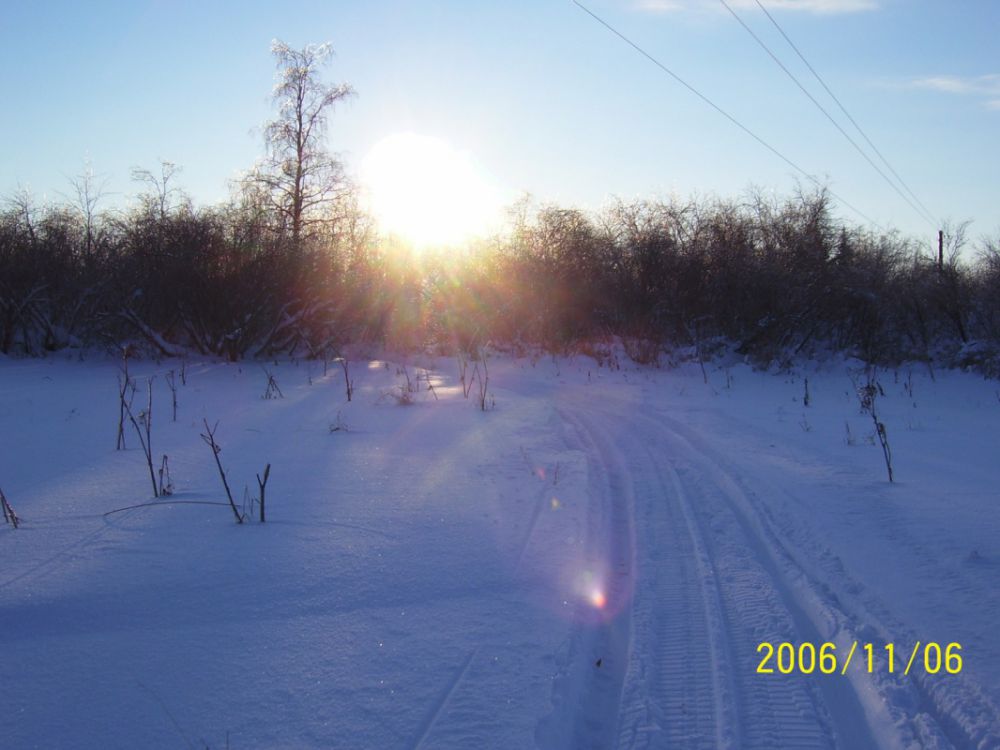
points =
(771, 279)
(290, 265)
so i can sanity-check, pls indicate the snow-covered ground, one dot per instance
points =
(591, 564)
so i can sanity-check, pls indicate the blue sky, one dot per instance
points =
(540, 96)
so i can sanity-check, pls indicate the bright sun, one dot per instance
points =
(423, 190)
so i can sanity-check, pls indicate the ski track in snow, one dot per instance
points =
(440, 704)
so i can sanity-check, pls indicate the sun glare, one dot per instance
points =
(426, 192)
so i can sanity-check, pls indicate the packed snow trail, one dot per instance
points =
(705, 594)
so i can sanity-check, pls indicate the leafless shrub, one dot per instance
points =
(272, 391)
(405, 372)
(338, 425)
(166, 486)
(262, 485)
(9, 516)
(430, 384)
(868, 392)
(642, 350)
(404, 394)
(481, 374)
(172, 384)
(348, 381)
(694, 333)
(126, 394)
(463, 369)
(209, 437)
(400, 394)
(143, 424)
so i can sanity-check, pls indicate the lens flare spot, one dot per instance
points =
(555, 503)
(598, 599)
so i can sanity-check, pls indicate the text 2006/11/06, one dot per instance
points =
(810, 658)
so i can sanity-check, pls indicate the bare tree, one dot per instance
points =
(24, 210)
(300, 174)
(953, 296)
(160, 189)
(90, 189)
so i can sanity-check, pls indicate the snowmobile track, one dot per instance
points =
(707, 591)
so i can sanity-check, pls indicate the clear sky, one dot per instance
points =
(537, 96)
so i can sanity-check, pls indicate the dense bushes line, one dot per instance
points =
(775, 280)
(217, 281)
(772, 279)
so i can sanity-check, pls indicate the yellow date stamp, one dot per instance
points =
(825, 658)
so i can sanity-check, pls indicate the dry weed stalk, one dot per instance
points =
(209, 437)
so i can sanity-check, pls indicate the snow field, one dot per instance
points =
(591, 564)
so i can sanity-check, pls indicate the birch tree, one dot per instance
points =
(300, 174)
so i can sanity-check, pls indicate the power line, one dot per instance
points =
(844, 109)
(722, 112)
(924, 214)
